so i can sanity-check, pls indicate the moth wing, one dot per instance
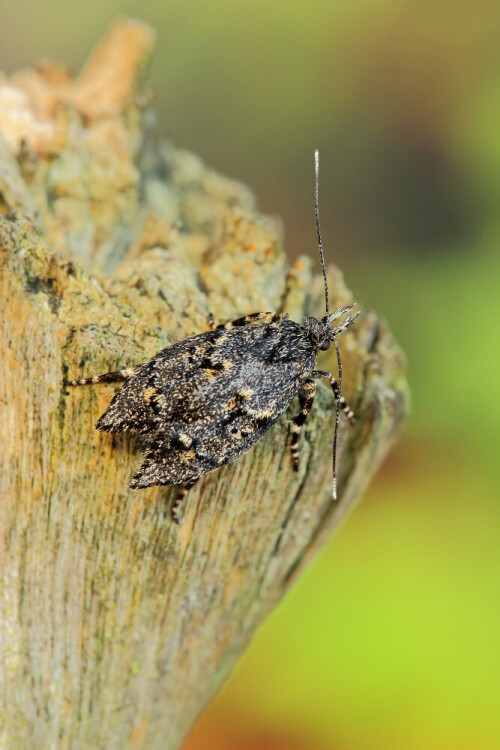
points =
(161, 389)
(203, 402)
(181, 453)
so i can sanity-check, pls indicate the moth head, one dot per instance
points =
(318, 332)
(321, 331)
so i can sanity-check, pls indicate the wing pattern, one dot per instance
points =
(202, 402)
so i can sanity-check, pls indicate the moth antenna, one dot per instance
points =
(318, 229)
(337, 419)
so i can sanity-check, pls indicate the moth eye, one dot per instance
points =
(325, 345)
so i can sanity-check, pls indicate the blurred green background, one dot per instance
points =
(391, 639)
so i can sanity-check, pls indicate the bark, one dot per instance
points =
(117, 627)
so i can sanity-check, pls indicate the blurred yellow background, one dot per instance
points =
(391, 639)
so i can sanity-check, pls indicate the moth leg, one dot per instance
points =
(118, 376)
(344, 407)
(178, 500)
(268, 317)
(298, 421)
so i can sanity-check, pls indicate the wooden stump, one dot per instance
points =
(117, 627)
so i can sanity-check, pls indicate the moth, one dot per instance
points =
(203, 402)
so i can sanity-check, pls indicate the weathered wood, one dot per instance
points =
(117, 626)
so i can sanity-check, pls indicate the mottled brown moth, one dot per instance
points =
(203, 402)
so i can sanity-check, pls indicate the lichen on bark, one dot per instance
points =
(117, 627)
